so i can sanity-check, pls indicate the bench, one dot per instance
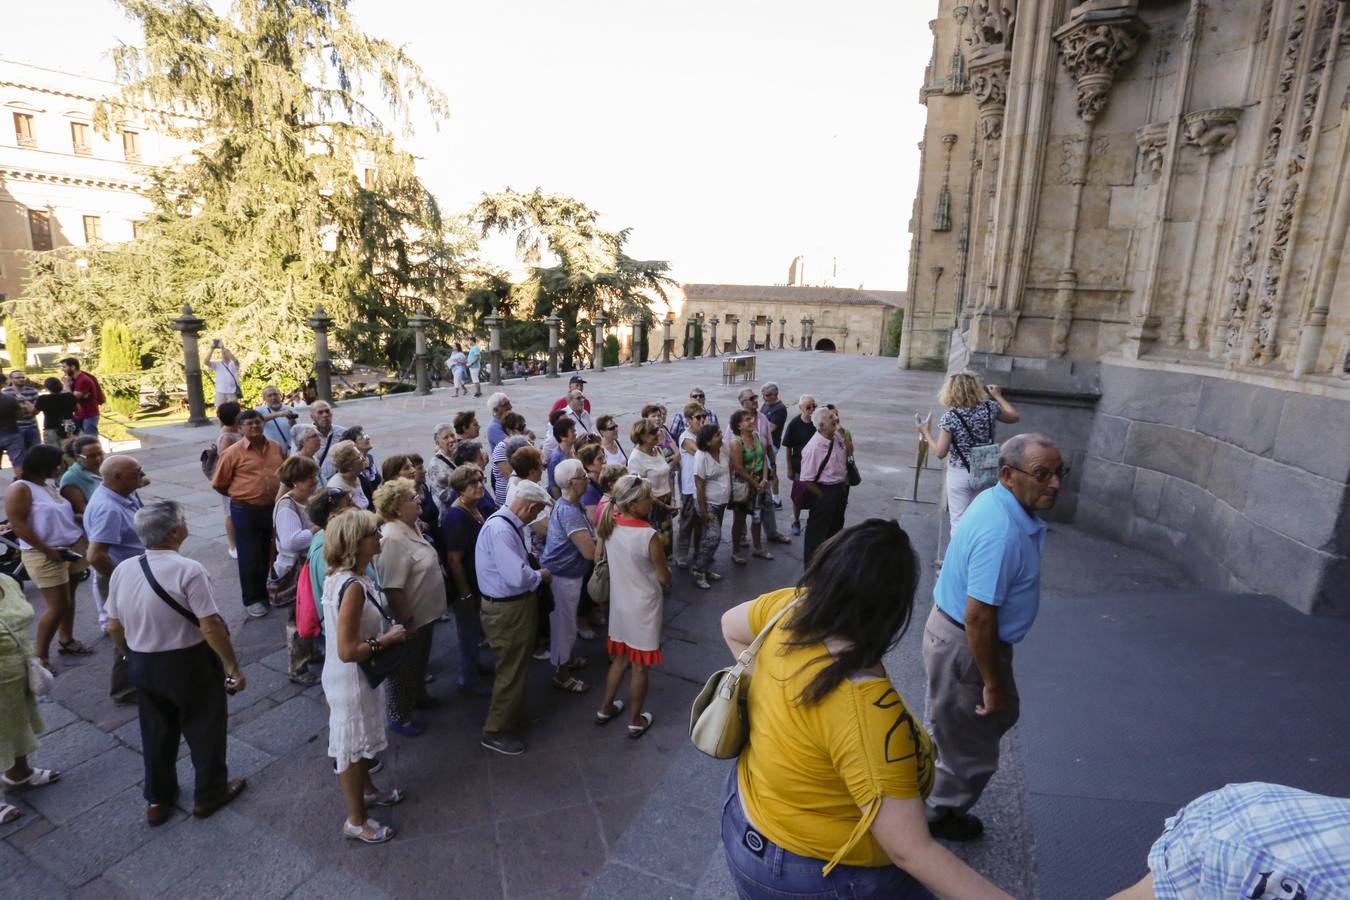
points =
(738, 368)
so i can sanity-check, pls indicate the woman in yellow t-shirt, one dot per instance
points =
(828, 793)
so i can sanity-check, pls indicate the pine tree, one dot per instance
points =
(117, 352)
(15, 345)
(297, 195)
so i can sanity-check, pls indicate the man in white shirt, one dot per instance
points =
(576, 411)
(163, 616)
(226, 372)
(277, 417)
(321, 414)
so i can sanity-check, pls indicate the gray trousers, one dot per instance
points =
(967, 744)
(690, 531)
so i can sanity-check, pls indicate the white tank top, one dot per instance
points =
(51, 517)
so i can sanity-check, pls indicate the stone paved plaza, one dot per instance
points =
(1138, 694)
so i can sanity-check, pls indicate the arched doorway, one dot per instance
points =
(825, 344)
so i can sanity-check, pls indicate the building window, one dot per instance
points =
(726, 318)
(79, 138)
(93, 229)
(40, 229)
(131, 146)
(23, 130)
(368, 179)
(137, 230)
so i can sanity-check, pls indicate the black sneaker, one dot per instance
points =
(957, 827)
(504, 744)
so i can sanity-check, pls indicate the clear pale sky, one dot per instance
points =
(730, 137)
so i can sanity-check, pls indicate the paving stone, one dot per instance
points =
(100, 889)
(674, 841)
(558, 848)
(227, 853)
(130, 734)
(327, 884)
(54, 715)
(622, 882)
(617, 812)
(285, 727)
(260, 682)
(88, 785)
(70, 746)
(23, 879)
(29, 817)
(81, 850)
(242, 760)
(280, 661)
(552, 780)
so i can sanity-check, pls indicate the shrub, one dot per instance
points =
(611, 351)
(15, 345)
(117, 349)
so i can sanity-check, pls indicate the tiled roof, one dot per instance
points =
(782, 293)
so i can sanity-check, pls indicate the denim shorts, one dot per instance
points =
(763, 870)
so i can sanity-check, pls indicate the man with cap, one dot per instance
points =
(575, 383)
(576, 411)
(508, 576)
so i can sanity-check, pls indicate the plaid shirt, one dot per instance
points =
(1255, 841)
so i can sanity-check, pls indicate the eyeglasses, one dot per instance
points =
(1042, 476)
(700, 415)
(696, 396)
(611, 428)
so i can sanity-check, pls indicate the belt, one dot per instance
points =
(949, 618)
(511, 599)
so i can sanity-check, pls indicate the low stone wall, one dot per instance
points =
(1244, 486)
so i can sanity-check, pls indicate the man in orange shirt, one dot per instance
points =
(247, 474)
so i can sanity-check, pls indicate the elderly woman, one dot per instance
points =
(307, 441)
(52, 546)
(20, 722)
(648, 461)
(592, 460)
(369, 471)
(294, 532)
(356, 711)
(347, 462)
(609, 440)
(442, 463)
(466, 426)
(637, 574)
(972, 410)
(750, 474)
(564, 436)
(84, 475)
(609, 474)
(836, 766)
(327, 504)
(410, 573)
(460, 523)
(712, 492)
(567, 553)
(513, 426)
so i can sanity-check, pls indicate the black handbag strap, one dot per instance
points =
(529, 557)
(824, 462)
(365, 594)
(164, 595)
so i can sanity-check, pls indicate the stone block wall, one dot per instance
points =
(1246, 487)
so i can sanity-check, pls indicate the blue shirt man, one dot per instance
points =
(985, 601)
(109, 522)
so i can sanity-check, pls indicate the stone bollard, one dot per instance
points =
(713, 340)
(189, 326)
(421, 358)
(323, 366)
(782, 327)
(665, 337)
(810, 334)
(753, 323)
(639, 341)
(804, 321)
(598, 359)
(553, 323)
(735, 325)
(494, 324)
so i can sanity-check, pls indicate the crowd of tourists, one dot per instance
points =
(533, 538)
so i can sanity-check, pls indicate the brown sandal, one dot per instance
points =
(73, 647)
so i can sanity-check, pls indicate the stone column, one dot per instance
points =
(713, 348)
(782, 327)
(190, 326)
(665, 338)
(553, 323)
(323, 366)
(811, 334)
(494, 324)
(804, 321)
(699, 318)
(421, 358)
(753, 323)
(639, 339)
(735, 324)
(598, 359)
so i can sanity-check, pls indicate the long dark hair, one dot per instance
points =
(859, 589)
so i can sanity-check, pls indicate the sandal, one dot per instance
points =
(368, 832)
(9, 813)
(576, 663)
(762, 554)
(738, 560)
(572, 685)
(602, 717)
(385, 798)
(73, 647)
(36, 778)
(637, 731)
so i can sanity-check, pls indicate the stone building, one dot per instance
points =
(61, 182)
(1149, 248)
(842, 320)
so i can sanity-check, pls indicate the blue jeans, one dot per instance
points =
(31, 438)
(763, 870)
(88, 425)
(14, 445)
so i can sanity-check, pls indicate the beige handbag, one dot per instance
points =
(719, 724)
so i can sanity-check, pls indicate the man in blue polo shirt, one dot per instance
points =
(109, 524)
(985, 601)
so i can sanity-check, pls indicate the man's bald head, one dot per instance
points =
(1030, 466)
(122, 474)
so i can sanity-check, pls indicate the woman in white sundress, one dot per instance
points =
(356, 718)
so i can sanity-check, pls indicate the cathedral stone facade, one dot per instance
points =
(1134, 215)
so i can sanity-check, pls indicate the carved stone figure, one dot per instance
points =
(1093, 50)
(1152, 141)
(1211, 131)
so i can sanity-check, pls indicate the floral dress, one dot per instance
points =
(20, 722)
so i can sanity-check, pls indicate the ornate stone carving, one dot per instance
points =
(992, 24)
(1152, 141)
(1211, 130)
(942, 216)
(1195, 18)
(1065, 301)
(989, 84)
(1267, 7)
(1074, 155)
(1093, 45)
(956, 82)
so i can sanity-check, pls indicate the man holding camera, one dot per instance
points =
(277, 418)
(225, 371)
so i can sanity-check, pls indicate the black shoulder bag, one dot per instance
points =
(164, 595)
(380, 665)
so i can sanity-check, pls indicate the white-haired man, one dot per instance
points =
(498, 405)
(985, 601)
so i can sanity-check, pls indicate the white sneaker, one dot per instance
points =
(234, 553)
(257, 610)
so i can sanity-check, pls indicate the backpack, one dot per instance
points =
(210, 457)
(98, 391)
(983, 462)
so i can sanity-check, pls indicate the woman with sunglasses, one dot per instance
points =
(568, 551)
(609, 440)
(690, 531)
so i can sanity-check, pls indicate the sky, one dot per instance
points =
(729, 136)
